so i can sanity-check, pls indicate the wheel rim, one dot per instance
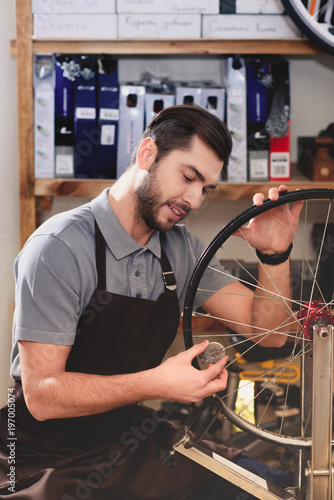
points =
(311, 23)
(300, 345)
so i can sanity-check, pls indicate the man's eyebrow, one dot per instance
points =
(200, 176)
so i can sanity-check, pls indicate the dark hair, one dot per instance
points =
(175, 127)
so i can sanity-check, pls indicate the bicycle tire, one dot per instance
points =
(221, 238)
(309, 25)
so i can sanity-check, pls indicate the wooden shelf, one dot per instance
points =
(225, 190)
(37, 194)
(119, 46)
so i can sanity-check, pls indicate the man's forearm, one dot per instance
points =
(67, 394)
(271, 309)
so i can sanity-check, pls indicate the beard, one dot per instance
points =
(149, 201)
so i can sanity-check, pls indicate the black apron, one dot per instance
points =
(112, 455)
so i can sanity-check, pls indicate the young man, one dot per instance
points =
(97, 308)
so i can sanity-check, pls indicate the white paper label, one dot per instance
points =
(108, 135)
(109, 114)
(279, 164)
(258, 168)
(85, 113)
(64, 165)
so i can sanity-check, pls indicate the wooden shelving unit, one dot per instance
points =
(119, 46)
(225, 190)
(37, 193)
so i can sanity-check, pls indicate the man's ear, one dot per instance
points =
(146, 154)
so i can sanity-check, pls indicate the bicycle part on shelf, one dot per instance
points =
(311, 355)
(315, 23)
(315, 313)
(213, 353)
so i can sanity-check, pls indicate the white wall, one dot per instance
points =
(312, 80)
(9, 217)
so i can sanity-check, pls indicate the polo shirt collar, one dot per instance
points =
(118, 240)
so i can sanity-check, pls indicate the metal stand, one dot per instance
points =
(230, 471)
(319, 472)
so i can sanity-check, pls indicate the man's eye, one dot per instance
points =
(206, 191)
(187, 179)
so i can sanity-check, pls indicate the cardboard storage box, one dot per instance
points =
(213, 99)
(85, 122)
(278, 125)
(188, 93)
(236, 116)
(240, 26)
(159, 26)
(44, 132)
(259, 7)
(258, 139)
(155, 102)
(74, 26)
(314, 158)
(64, 117)
(131, 122)
(168, 7)
(108, 117)
(73, 6)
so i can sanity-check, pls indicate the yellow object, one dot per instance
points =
(283, 372)
(245, 402)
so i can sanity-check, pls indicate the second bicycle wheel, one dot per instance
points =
(312, 267)
(315, 18)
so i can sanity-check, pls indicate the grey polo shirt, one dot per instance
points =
(55, 272)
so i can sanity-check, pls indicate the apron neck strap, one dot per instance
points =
(167, 272)
(100, 258)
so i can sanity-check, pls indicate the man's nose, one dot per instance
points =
(194, 197)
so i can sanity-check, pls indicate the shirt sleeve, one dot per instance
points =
(47, 306)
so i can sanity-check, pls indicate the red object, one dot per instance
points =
(279, 158)
(310, 313)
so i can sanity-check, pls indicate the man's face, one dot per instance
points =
(176, 186)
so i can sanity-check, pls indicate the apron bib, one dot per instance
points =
(115, 454)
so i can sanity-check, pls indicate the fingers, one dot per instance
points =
(217, 376)
(296, 208)
(273, 195)
(215, 370)
(258, 199)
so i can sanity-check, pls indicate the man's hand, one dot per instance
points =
(273, 231)
(183, 382)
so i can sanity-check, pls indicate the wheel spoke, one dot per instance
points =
(283, 372)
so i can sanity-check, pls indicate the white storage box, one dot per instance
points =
(44, 112)
(168, 7)
(155, 102)
(131, 122)
(213, 100)
(73, 7)
(74, 26)
(159, 26)
(236, 114)
(240, 26)
(259, 7)
(187, 93)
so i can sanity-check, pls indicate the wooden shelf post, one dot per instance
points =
(25, 118)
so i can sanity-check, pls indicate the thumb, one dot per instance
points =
(196, 350)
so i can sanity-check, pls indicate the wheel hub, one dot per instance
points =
(314, 313)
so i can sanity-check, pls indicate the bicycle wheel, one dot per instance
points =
(315, 18)
(311, 303)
